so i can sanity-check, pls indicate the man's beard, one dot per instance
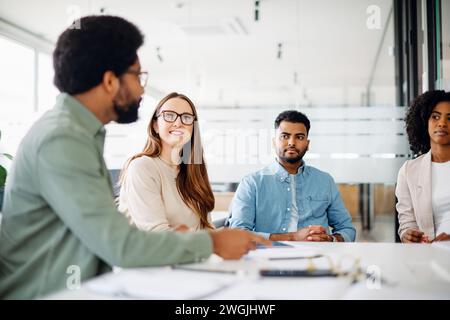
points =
(293, 160)
(129, 114)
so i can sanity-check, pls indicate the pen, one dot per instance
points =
(297, 258)
(176, 267)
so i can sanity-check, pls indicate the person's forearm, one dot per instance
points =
(347, 234)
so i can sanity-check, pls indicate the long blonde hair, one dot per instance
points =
(192, 179)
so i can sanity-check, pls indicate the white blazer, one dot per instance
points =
(413, 192)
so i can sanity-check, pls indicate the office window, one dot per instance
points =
(16, 78)
(47, 92)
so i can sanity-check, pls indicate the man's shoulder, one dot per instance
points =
(317, 172)
(261, 175)
(53, 124)
(318, 176)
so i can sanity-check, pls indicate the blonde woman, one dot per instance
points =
(166, 186)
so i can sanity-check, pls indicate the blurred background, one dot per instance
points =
(352, 66)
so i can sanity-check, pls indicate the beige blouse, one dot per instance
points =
(150, 199)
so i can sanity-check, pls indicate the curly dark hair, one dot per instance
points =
(83, 55)
(417, 118)
(293, 116)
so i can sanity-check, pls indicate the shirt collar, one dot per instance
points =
(277, 169)
(82, 114)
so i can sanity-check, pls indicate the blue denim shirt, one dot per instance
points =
(262, 203)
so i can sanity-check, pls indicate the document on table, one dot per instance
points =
(287, 260)
(161, 284)
(283, 253)
(240, 267)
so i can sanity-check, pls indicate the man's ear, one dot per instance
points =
(110, 83)
(307, 146)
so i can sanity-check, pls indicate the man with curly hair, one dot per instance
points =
(423, 189)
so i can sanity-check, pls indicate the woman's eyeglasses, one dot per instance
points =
(172, 116)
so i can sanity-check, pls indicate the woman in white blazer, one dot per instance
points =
(423, 184)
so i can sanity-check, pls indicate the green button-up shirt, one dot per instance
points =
(59, 211)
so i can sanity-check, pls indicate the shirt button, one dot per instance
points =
(288, 189)
(284, 229)
(289, 209)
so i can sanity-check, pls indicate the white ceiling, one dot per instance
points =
(210, 57)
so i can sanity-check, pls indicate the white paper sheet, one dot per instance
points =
(241, 267)
(281, 252)
(161, 284)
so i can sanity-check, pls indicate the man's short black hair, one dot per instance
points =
(294, 117)
(100, 44)
(417, 118)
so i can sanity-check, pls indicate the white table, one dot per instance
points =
(408, 271)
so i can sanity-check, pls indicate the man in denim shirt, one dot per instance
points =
(289, 200)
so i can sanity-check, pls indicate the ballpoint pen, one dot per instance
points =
(296, 258)
(180, 267)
